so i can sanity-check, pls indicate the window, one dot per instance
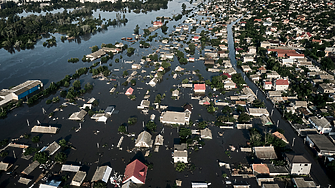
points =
(306, 164)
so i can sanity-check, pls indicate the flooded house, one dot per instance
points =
(5, 166)
(172, 117)
(206, 133)
(44, 129)
(144, 140)
(136, 172)
(52, 148)
(180, 153)
(20, 91)
(78, 116)
(102, 174)
(95, 55)
(78, 178)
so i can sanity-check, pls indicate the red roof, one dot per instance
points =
(129, 91)
(282, 82)
(196, 37)
(206, 103)
(268, 83)
(227, 74)
(137, 170)
(198, 87)
(158, 23)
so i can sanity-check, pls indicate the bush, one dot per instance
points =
(48, 101)
(180, 167)
(122, 129)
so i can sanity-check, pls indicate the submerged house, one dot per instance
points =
(144, 140)
(136, 172)
(102, 173)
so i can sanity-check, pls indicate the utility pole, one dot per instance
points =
(277, 123)
(272, 112)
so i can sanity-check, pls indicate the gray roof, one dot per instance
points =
(180, 154)
(79, 177)
(143, 139)
(78, 115)
(277, 169)
(70, 168)
(322, 142)
(271, 186)
(320, 122)
(206, 133)
(159, 140)
(101, 173)
(44, 129)
(180, 147)
(30, 168)
(292, 158)
(265, 152)
(301, 183)
(4, 166)
(24, 180)
(19, 89)
(52, 148)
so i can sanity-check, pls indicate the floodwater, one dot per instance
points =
(50, 64)
(92, 134)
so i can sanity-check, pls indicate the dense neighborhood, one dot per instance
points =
(224, 94)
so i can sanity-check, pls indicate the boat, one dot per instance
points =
(123, 38)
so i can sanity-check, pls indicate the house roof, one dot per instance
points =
(227, 74)
(268, 83)
(79, 177)
(180, 147)
(44, 129)
(171, 116)
(102, 173)
(4, 166)
(70, 168)
(206, 133)
(282, 82)
(129, 91)
(280, 136)
(52, 148)
(301, 183)
(30, 168)
(271, 186)
(322, 142)
(198, 87)
(180, 154)
(159, 140)
(78, 115)
(265, 152)
(261, 168)
(320, 122)
(293, 158)
(135, 169)
(143, 139)
(188, 107)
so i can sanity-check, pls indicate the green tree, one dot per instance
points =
(94, 48)
(60, 157)
(76, 84)
(244, 117)
(41, 157)
(327, 63)
(151, 126)
(184, 133)
(166, 65)
(202, 124)
(136, 30)
(132, 120)
(100, 184)
(258, 104)
(63, 143)
(122, 129)
(226, 110)
(35, 139)
(88, 87)
(125, 73)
